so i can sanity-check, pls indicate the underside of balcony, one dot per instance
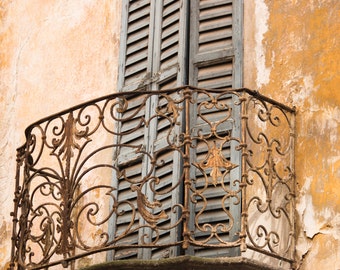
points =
(185, 263)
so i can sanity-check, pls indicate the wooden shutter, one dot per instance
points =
(215, 62)
(153, 44)
(155, 55)
(215, 50)
(136, 44)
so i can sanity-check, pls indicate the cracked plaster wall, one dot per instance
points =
(53, 54)
(292, 54)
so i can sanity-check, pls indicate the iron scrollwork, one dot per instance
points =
(96, 178)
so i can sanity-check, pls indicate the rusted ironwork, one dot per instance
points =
(90, 180)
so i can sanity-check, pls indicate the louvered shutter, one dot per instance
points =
(155, 55)
(215, 62)
(153, 45)
(169, 72)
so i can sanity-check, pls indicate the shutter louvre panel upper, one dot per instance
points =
(136, 39)
(211, 52)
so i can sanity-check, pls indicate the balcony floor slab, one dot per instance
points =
(184, 263)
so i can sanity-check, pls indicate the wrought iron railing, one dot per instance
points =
(157, 174)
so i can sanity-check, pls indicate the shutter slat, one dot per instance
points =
(136, 68)
(142, 24)
(169, 41)
(215, 36)
(170, 30)
(215, 84)
(138, 57)
(170, 8)
(207, 76)
(213, 14)
(214, 3)
(134, 5)
(139, 47)
(211, 25)
(135, 37)
(168, 2)
(169, 52)
(136, 17)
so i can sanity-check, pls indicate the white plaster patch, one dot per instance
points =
(309, 220)
(261, 22)
(308, 83)
(299, 92)
(327, 213)
(306, 210)
(71, 12)
(332, 161)
(77, 15)
(330, 123)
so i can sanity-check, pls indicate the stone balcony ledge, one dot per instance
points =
(184, 263)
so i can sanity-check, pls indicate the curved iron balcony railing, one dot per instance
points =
(157, 174)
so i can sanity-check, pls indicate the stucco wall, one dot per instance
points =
(56, 53)
(292, 54)
(53, 54)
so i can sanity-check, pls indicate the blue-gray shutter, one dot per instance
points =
(215, 62)
(152, 58)
(134, 73)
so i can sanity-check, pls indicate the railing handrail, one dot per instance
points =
(254, 93)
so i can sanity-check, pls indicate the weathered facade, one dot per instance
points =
(295, 60)
(56, 54)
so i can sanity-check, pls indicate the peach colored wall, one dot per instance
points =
(292, 54)
(53, 54)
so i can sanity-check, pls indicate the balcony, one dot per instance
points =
(183, 174)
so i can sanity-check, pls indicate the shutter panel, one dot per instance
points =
(134, 74)
(136, 45)
(168, 72)
(212, 49)
(155, 56)
(153, 45)
(215, 63)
